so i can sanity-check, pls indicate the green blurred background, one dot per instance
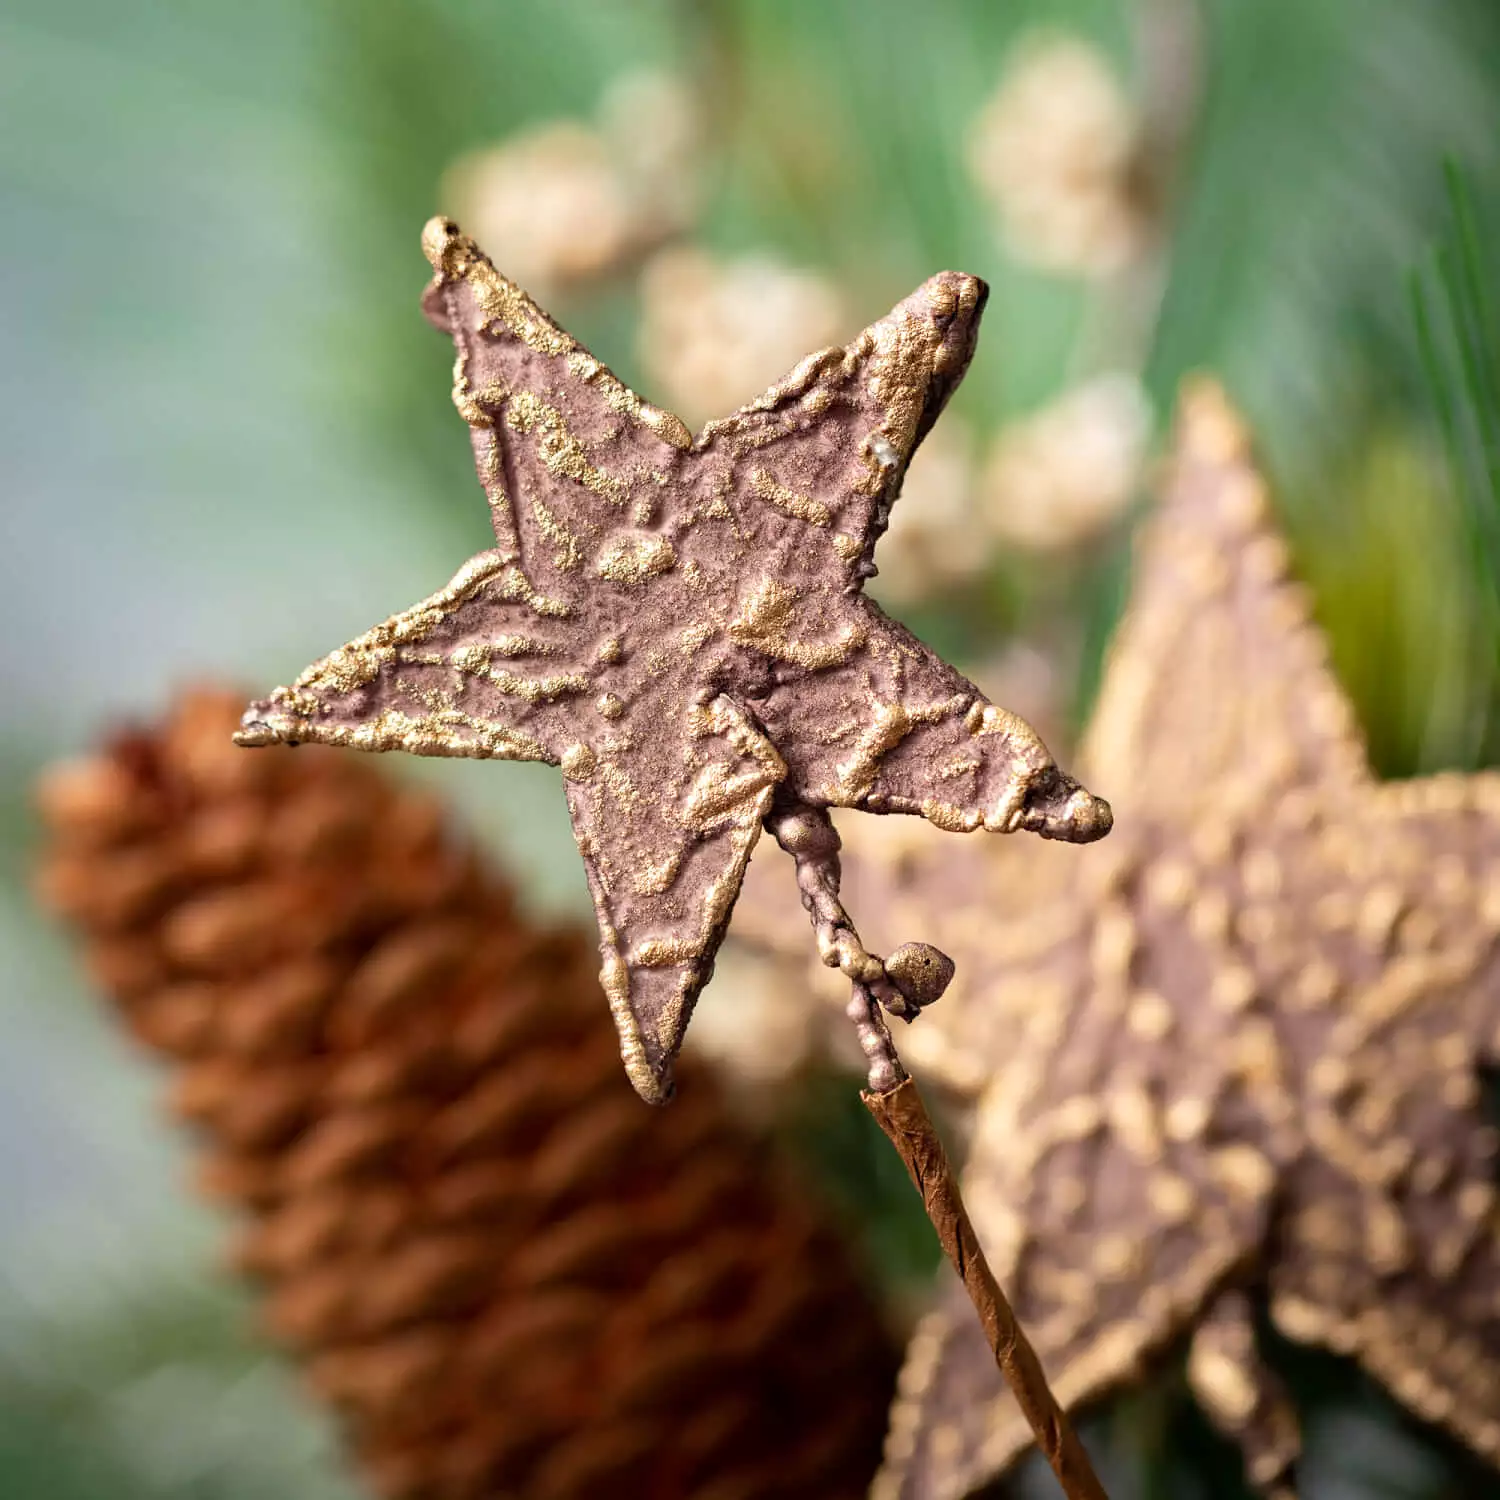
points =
(228, 445)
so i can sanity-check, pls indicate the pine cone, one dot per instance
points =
(509, 1275)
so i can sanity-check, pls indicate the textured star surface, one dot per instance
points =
(677, 622)
(1229, 1059)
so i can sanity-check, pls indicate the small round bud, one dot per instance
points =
(920, 971)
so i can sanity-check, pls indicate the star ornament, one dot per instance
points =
(678, 623)
(1228, 1060)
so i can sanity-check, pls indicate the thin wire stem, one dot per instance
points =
(808, 835)
(903, 1117)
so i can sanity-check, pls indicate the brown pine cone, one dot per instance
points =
(510, 1276)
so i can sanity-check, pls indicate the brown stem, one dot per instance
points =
(903, 1116)
(808, 835)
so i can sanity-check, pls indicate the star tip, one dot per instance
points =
(439, 237)
(654, 1085)
(1103, 821)
(976, 286)
(1209, 420)
(257, 730)
(650, 1077)
(960, 289)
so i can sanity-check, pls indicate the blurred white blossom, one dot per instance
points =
(714, 334)
(937, 534)
(549, 205)
(766, 1018)
(1059, 477)
(653, 124)
(1056, 151)
(565, 202)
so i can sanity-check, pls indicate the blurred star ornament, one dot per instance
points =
(505, 1275)
(679, 624)
(1232, 1056)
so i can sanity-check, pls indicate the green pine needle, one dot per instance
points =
(1460, 351)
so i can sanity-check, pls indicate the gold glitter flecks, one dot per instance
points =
(1150, 1017)
(888, 726)
(619, 397)
(311, 709)
(513, 585)
(579, 762)
(455, 257)
(720, 792)
(532, 689)
(1222, 1383)
(635, 559)
(950, 817)
(720, 716)
(960, 767)
(664, 953)
(654, 879)
(614, 980)
(693, 638)
(609, 706)
(764, 624)
(440, 732)
(476, 657)
(1242, 1171)
(610, 650)
(800, 507)
(649, 850)
(1172, 1198)
(360, 662)
(983, 718)
(476, 405)
(568, 553)
(561, 452)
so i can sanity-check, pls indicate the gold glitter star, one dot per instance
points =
(1230, 1057)
(678, 622)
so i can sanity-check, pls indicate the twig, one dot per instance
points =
(903, 1116)
(892, 1098)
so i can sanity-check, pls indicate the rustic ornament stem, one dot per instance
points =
(885, 1073)
(903, 1116)
(808, 835)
